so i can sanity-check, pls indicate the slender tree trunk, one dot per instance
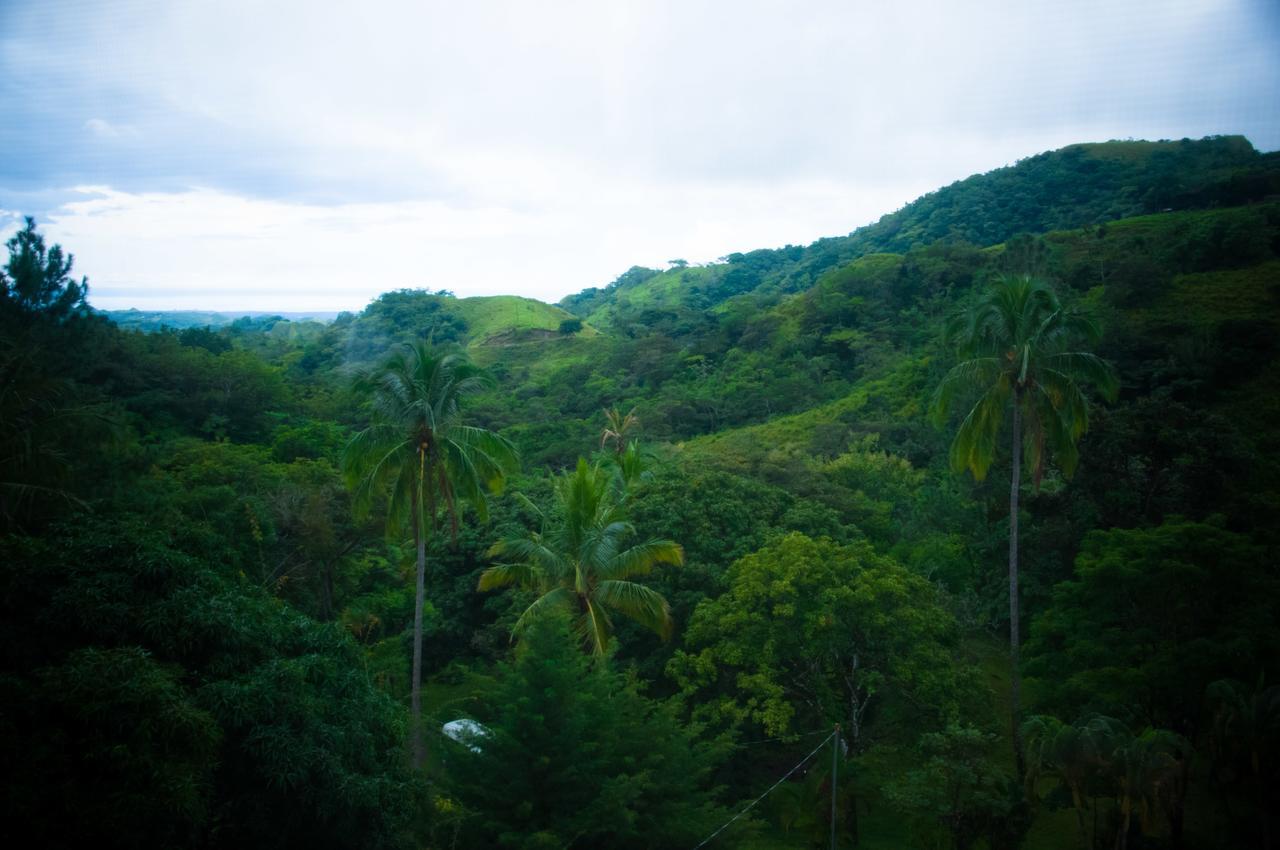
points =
(1077, 803)
(1015, 675)
(326, 591)
(1176, 822)
(1264, 811)
(420, 539)
(1122, 839)
(1177, 805)
(857, 707)
(1084, 833)
(851, 825)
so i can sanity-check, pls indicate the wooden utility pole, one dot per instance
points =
(835, 750)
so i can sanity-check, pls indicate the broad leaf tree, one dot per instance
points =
(811, 633)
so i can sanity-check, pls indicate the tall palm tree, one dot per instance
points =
(580, 563)
(418, 454)
(1018, 350)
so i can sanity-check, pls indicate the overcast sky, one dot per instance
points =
(310, 155)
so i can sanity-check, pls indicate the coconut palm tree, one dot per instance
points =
(420, 457)
(630, 468)
(1018, 349)
(579, 563)
(618, 428)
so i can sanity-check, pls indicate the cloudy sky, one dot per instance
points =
(309, 155)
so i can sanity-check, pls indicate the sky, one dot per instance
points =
(293, 156)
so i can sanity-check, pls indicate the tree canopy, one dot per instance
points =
(207, 638)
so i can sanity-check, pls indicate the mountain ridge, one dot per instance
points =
(1081, 184)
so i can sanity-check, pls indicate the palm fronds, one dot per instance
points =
(1017, 345)
(580, 561)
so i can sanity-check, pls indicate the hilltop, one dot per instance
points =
(1078, 185)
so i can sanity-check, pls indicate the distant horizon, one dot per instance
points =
(187, 154)
(284, 314)
(290, 311)
(336, 310)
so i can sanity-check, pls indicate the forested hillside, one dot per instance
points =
(669, 534)
(1087, 184)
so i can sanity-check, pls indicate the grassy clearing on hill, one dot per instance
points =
(490, 316)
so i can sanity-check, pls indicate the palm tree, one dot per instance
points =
(579, 564)
(630, 468)
(424, 460)
(1147, 769)
(618, 428)
(1244, 740)
(1018, 351)
(1073, 754)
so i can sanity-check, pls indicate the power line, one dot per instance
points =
(753, 803)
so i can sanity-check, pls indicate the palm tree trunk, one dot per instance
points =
(1084, 833)
(1122, 839)
(415, 699)
(1264, 811)
(1015, 676)
(1077, 805)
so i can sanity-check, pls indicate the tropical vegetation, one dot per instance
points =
(1019, 349)
(583, 564)
(240, 556)
(419, 455)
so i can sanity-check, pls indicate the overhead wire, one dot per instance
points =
(753, 803)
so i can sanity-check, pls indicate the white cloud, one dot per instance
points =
(103, 129)
(543, 147)
(210, 249)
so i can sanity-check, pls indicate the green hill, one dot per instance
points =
(499, 319)
(476, 322)
(182, 541)
(1077, 185)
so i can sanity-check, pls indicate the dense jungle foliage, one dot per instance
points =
(733, 524)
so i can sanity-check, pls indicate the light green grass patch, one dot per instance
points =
(490, 316)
